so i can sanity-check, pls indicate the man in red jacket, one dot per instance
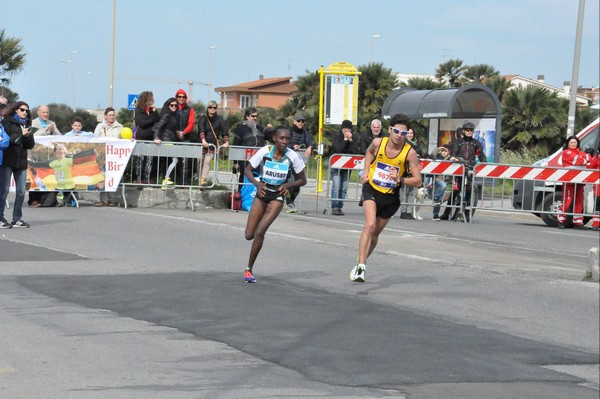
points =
(186, 120)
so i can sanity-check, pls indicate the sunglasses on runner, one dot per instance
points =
(398, 131)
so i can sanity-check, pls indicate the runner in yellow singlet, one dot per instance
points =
(386, 164)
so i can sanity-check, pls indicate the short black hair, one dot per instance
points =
(280, 129)
(400, 119)
(77, 119)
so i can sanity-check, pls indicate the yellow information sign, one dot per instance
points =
(338, 100)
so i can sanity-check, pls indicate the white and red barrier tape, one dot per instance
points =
(346, 161)
(562, 175)
(440, 168)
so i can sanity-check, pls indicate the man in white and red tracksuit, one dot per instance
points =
(572, 193)
(186, 119)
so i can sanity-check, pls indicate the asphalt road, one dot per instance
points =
(150, 303)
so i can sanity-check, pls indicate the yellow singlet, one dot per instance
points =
(379, 170)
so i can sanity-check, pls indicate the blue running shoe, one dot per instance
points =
(248, 277)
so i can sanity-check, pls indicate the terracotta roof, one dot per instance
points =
(267, 85)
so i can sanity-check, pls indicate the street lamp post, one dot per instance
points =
(112, 56)
(373, 45)
(210, 48)
(66, 78)
(73, 74)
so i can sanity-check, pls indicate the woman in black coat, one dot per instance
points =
(17, 123)
(166, 130)
(145, 119)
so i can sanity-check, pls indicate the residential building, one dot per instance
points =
(564, 92)
(264, 92)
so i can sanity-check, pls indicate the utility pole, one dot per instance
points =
(575, 76)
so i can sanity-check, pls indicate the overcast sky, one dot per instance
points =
(168, 42)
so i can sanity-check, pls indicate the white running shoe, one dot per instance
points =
(357, 274)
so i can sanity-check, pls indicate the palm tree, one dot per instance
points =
(499, 85)
(450, 72)
(306, 100)
(423, 84)
(376, 83)
(479, 73)
(533, 120)
(12, 57)
(307, 94)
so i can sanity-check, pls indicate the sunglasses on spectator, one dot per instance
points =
(181, 96)
(211, 107)
(398, 131)
(172, 105)
(300, 120)
(23, 110)
(254, 116)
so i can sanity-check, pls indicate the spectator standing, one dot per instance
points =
(408, 193)
(300, 140)
(3, 105)
(4, 143)
(274, 164)
(595, 164)
(372, 133)
(166, 130)
(439, 185)
(17, 124)
(572, 201)
(213, 130)
(45, 127)
(145, 119)
(186, 120)
(43, 123)
(386, 166)
(248, 134)
(344, 142)
(109, 127)
(76, 129)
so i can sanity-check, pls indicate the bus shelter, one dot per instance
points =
(447, 109)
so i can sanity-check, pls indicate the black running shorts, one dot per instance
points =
(387, 204)
(271, 196)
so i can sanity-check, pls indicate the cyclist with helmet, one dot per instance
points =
(467, 150)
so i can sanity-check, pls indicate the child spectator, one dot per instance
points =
(76, 129)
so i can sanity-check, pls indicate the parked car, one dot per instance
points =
(547, 196)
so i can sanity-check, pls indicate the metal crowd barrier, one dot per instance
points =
(538, 190)
(184, 176)
(451, 174)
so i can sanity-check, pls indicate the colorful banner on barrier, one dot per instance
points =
(77, 163)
